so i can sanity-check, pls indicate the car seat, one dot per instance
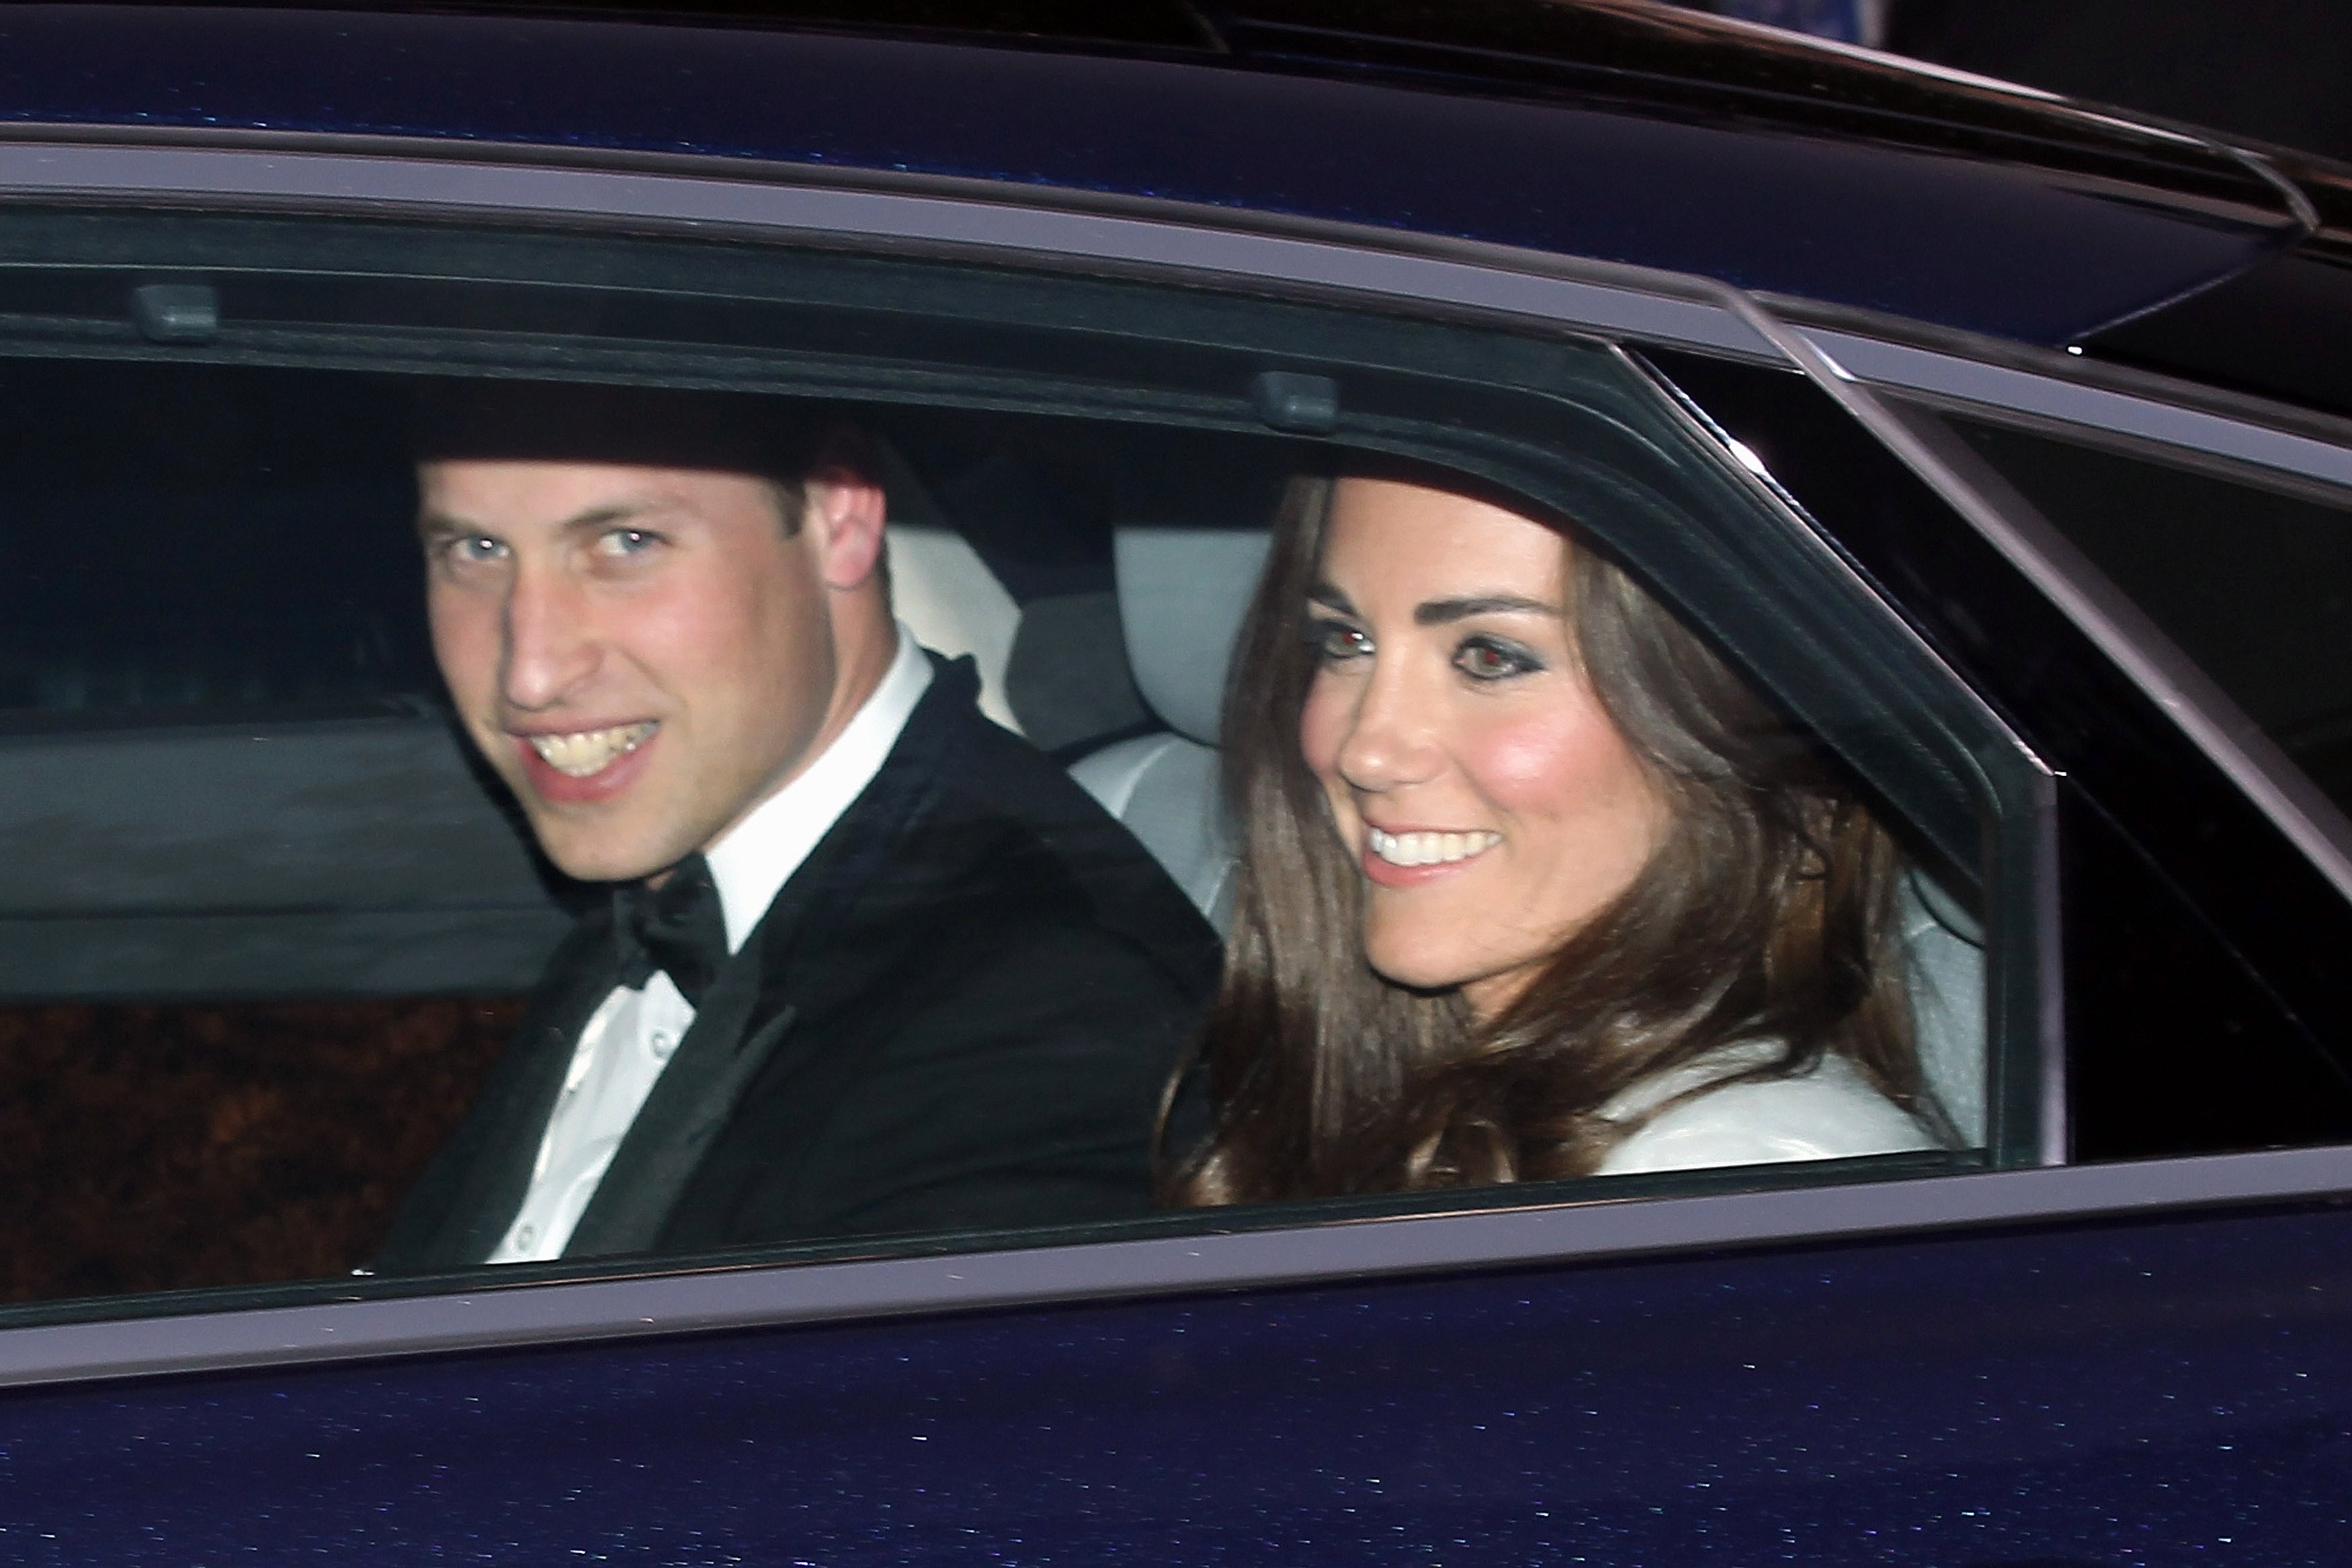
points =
(941, 588)
(1944, 963)
(954, 603)
(1181, 595)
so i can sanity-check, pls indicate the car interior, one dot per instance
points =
(267, 921)
(232, 780)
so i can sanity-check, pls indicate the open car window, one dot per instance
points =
(267, 921)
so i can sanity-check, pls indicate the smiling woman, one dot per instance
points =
(1532, 886)
(1494, 805)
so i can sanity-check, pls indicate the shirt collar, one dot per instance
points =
(759, 854)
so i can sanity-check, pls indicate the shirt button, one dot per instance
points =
(527, 1237)
(662, 1043)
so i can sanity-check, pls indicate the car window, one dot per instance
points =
(2252, 581)
(270, 918)
(177, 1146)
(154, 517)
(2198, 910)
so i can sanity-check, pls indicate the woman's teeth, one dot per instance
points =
(591, 750)
(1430, 849)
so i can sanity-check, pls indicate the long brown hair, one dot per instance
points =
(1765, 915)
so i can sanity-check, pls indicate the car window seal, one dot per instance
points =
(1637, 301)
(707, 1300)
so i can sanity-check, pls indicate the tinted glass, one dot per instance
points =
(185, 542)
(270, 914)
(184, 1144)
(2202, 950)
(2254, 584)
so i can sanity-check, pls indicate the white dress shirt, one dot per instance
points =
(631, 1036)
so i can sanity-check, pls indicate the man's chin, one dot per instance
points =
(592, 866)
(604, 851)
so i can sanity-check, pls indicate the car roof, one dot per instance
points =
(1611, 129)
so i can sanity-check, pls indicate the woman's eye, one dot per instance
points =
(1335, 640)
(1485, 659)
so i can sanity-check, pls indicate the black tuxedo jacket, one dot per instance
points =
(959, 1013)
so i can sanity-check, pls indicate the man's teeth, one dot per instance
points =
(1430, 849)
(589, 751)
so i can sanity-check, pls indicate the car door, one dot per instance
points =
(2106, 1324)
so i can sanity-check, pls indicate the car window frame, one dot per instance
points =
(1897, 387)
(1152, 240)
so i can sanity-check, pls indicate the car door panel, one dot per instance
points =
(2141, 1391)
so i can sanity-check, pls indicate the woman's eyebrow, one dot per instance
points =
(1330, 598)
(1438, 612)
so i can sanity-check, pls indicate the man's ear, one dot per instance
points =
(846, 512)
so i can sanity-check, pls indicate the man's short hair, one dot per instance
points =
(780, 441)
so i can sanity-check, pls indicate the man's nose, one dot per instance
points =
(1392, 740)
(548, 649)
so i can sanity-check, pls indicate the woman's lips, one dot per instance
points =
(621, 750)
(1409, 858)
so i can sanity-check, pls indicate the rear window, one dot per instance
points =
(2254, 581)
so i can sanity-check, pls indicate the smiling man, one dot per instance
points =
(870, 963)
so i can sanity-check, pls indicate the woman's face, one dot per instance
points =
(1490, 803)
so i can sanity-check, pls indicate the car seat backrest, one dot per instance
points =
(1182, 594)
(1944, 962)
(941, 588)
(951, 602)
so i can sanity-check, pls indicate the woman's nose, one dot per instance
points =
(1390, 741)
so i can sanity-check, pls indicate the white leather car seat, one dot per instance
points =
(953, 602)
(1181, 595)
(1944, 959)
(942, 590)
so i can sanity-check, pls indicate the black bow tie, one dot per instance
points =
(678, 928)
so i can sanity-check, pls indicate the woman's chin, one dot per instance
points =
(1428, 961)
(1416, 967)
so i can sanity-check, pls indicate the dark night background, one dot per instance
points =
(2273, 70)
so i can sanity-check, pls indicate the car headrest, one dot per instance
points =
(1193, 528)
(941, 588)
(950, 601)
(1181, 595)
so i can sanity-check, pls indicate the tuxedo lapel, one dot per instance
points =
(748, 1017)
(688, 1103)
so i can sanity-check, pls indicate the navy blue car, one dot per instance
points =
(2003, 444)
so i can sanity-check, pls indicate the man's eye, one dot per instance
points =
(624, 542)
(469, 550)
(1335, 640)
(1486, 659)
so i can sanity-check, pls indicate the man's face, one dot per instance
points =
(643, 655)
